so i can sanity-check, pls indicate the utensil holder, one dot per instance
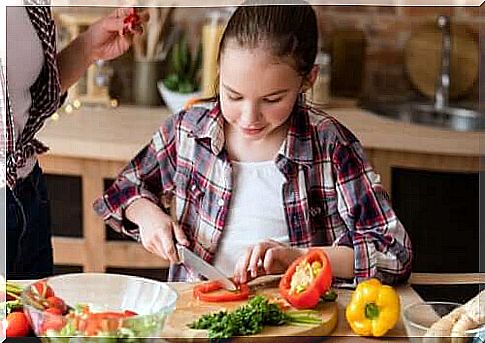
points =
(145, 78)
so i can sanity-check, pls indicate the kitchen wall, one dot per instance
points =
(380, 36)
(367, 44)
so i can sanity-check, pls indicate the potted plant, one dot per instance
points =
(183, 80)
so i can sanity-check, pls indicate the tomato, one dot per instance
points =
(53, 310)
(56, 302)
(131, 21)
(204, 292)
(43, 290)
(52, 320)
(17, 325)
(102, 321)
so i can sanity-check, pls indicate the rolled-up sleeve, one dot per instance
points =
(148, 175)
(382, 248)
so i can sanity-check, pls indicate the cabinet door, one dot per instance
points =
(440, 211)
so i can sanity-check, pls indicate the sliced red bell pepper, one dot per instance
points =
(307, 279)
(42, 290)
(205, 292)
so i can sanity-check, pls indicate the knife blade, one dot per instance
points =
(196, 263)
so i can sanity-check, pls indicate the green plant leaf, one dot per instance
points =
(175, 58)
(186, 87)
(184, 67)
(195, 65)
(183, 55)
(172, 82)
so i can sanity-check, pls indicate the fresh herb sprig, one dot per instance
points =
(250, 319)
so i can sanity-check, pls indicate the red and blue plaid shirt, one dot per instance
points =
(332, 195)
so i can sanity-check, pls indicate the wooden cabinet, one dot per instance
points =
(89, 147)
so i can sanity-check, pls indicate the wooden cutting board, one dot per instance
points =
(189, 309)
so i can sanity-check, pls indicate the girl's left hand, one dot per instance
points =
(111, 36)
(267, 257)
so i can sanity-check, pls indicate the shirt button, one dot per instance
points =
(220, 202)
(193, 187)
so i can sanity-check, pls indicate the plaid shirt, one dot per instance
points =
(332, 195)
(45, 93)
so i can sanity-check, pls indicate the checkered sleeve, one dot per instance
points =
(381, 245)
(148, 175)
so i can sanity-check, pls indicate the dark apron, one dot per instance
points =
(29, 246)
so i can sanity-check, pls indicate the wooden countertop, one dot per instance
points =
(117, 134)
(342, 332)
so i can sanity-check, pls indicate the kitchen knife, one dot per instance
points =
(197, 264)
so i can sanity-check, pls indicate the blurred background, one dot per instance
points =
(373, 52)
(383, 74)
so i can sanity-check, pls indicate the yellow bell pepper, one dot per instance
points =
(373, 309)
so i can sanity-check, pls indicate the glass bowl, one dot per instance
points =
(152, 302)
(419, 317)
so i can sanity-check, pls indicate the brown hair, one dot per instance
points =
(288, 31)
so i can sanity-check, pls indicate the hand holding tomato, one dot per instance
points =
(111, 36)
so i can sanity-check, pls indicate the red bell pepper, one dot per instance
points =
(206, 292)
(307, 279)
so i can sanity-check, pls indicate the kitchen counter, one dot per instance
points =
(117, 134)
(342, 332)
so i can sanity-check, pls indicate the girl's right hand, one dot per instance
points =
(157, 229)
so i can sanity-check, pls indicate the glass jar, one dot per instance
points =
(319, 94)
(211, 35)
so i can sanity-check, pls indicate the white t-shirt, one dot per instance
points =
(256, 211)
(25, 58)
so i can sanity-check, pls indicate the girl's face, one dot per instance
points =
(257, 91)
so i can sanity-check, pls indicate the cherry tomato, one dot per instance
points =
(53, 310)
(56, 302)
(52, 320)
(131, 22)
(103, 321)
(17, 325)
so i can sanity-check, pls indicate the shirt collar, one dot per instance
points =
(297, 146)
(212, 128)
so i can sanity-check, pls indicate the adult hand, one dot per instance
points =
(112, 36)
(267, 257)
(158, 231)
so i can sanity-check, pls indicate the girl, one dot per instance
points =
(260, 177)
